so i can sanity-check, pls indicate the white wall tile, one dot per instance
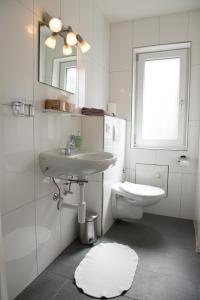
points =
(70, 13)
(120, 92)
(27, 3)
(16, 77)
(86, 26)
(3, 289)
(106, 50)
(47, 232)
(107, 220)
(156, 175)
(145, 156)
(47, 136)
(195, 93)
(93, 198)
(171, 157)
(193, 145)
(69, 218)
(96, 85)
(146, 32)
(129, 175)
(188, 196)
(52, 7)
(195, 56)
(20, 248)
(121, 46)
(169, 206)
(87, 20)
(98, 37)
(17, 161)
(174, 28)
(194, 25)
(197, 197)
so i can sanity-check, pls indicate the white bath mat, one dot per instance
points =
(107, 270)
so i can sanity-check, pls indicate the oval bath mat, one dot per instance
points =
(107, 270)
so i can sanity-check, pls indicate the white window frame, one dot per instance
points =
(181, 50)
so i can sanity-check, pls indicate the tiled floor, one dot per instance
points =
(168, 269)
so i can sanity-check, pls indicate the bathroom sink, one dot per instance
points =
(55, 163)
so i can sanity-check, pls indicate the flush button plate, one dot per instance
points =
(152, 174)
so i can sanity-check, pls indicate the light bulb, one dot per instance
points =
(85, 47)
(55, 24)
(50, 42)
(67, 50)
(71, 39)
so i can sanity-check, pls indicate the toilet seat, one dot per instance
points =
(141, 190)
(129, 199)
(138, 194)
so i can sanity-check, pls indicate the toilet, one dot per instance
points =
(129, 199)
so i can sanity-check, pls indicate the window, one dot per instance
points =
(70, 80)
(160, 100)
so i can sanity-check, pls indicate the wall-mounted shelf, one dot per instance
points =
(63, 113)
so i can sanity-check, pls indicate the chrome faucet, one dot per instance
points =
(70, 145)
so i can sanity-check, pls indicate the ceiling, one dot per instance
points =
(121, 10)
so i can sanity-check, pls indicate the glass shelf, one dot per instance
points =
(64, 113)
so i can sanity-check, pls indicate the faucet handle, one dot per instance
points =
(72, 137)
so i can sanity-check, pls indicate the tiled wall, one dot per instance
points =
(152, 31)
(34, 231)
(197, 208)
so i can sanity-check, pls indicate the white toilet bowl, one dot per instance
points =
(129, 199)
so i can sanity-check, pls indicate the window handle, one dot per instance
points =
(181, 104)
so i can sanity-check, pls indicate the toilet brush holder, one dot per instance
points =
(88, 230)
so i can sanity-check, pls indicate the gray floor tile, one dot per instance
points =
(169, 268)
(71, 292)
(65, 265)
(136, 234)
(143, 236)
(154, 286)
(187, 269)
(43, 288)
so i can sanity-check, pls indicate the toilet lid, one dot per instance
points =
(141, 190)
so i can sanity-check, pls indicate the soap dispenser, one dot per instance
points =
(78, 140)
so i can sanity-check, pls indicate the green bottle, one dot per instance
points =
(78, 140)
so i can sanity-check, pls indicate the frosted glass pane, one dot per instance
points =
(71, 80)
(161, 99)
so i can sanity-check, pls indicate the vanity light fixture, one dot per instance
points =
(70, 38)
(55, 24)
(85, 47)
(51, 41)
(67, 50)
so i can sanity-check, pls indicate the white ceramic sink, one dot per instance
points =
(55, 163)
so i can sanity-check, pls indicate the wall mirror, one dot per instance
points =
(56, 69)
